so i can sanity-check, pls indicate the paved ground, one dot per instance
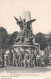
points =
(36, 71)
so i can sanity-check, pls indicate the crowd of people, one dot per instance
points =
(22, 58)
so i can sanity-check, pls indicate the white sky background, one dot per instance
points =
(40, 10)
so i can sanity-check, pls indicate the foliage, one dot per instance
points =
(7, 40)
(40, 39)
(3, 37)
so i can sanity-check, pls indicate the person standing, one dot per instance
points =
(26, 59)
(32, 59)
(14, 57)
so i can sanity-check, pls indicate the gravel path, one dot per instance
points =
(16, 71)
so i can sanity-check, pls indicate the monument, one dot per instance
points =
(27, 16)
(25, 37)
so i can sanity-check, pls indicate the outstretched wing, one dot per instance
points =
(29, 22)
(16, 18)
(18, 22)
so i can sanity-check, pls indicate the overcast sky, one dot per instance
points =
(40, 10)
